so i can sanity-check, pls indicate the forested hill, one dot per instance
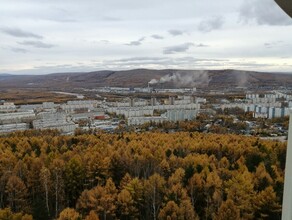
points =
(140, 176)
(170, 78)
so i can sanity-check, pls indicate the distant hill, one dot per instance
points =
(213, 79)
(4, 76)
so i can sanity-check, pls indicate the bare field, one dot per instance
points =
(33, 96)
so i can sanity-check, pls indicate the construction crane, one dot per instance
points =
(286, 5)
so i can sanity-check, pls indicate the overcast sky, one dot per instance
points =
(38, 37)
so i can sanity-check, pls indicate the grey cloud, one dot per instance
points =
(37, 44)
(130, 59)
(57, 14)
(210, 24)
(159, 59)
(178, 48)
(140, 61)
(105, 41)
(174, 32)
(263, 12)
(268, 45)
(137, 42)
(251, 65)
(273, 44)
(157, 37)
(61, 20)
(19, 50)
(201, 45)
(109, 18)
(134, 43)
(54, 68)
(162, 62)
(15, 32)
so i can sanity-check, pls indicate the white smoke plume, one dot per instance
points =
(192, 78)
(242, 79)
(153, 81)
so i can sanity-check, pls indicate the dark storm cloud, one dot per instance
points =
(174, 32)
(137, 42)
(263, 12)
(15, 32)
(157, 37)
(178, 48)
(37, 44)
(210, 24)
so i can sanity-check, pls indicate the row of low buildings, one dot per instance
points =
(48, 115)
(172, 109)
(122, 90)
(6, 128)
(170, 115)
(7, 107)
(264, 106)
(88, 113)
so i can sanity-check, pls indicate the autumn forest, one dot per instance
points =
(150, 175)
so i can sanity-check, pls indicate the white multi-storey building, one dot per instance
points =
(13, 127)
(143, 120)
(181, 114)
(7, 107)
(8, 118)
